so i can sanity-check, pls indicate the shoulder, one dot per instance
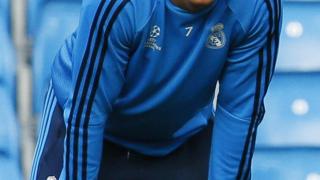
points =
(143, 7)
(141, 11)
(248, 11)
(135, 11)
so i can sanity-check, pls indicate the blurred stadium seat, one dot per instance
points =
(53, 30)
(9, 144)
(7, 62)
(300, 40)
(293, 111)
(36, 9)
(5, 12)
(288, 143)
(286, 164)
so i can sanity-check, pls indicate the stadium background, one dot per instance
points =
(288, 142)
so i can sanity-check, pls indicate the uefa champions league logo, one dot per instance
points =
(217, 38)
(151, 42)
(155, 32)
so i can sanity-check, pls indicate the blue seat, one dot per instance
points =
(292, 111)
(286, 164)
(5, 12)
(7, 62)
(9, 144)
(300, 38)
(288, 143)
(36, 10)
(55, 28)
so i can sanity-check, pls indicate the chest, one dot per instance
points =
(170, 39)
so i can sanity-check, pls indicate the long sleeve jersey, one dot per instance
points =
(143, 74)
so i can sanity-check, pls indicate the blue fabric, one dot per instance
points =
(143, 75)
(48, 158)
(188, 162)
(50, 104)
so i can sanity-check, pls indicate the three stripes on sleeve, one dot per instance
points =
(77, 137)
(267, 59)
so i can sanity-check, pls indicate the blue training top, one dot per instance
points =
(143, 74)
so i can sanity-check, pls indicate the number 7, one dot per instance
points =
(189, 30)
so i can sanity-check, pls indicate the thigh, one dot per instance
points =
(189, 162)
(48, 158)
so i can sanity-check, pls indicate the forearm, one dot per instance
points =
(229, 138)
(84, 152)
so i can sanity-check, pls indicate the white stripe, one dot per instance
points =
(46, 120)
(42, 125)
(47, 130)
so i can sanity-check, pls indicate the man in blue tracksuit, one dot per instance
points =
(132, 90)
